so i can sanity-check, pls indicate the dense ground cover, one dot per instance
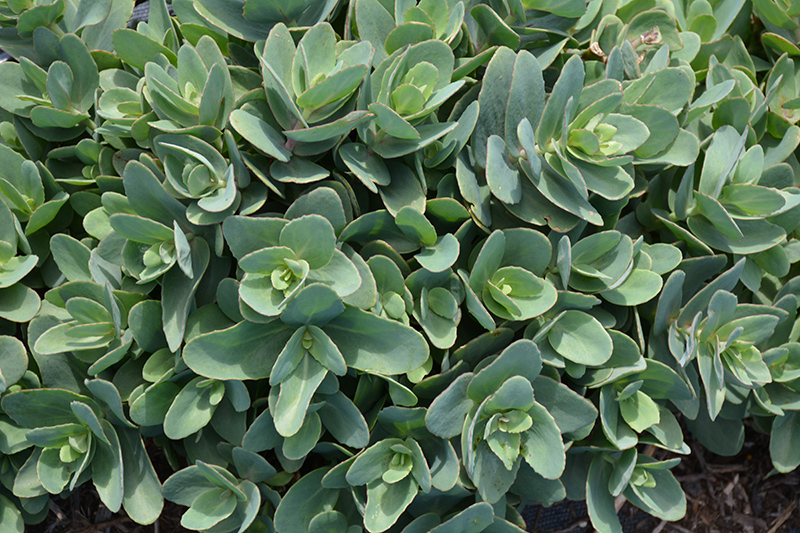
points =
(396, 265)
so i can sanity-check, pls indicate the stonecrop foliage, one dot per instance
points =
(391, 265)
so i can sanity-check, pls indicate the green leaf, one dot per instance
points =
(662, 127)
(190, 411)
(640, 286)
(377, 345)
(326, 353)
(758, 235)
(415, 226)
(569, 85)
(670, 88)
(317, 251)
(751, 200)
(505, 446)
(473, 519)
(386, 502)
(45, 213)
(26, 482)
(208, 509)
(503, 180)
(726, 147)
(441, 255)
(405, 190)
(53, 473)
(493, 99)
(721, 436)
(639, 411)
(554, 187)
(289, 358)
(254, 347)
(178, 294)
(59, 340)
(390, 147)
(445, 417)
(18, 303)
(600, 261)
(90, 13)
(298, 171)
(718, 216)
(522, 358)
(495, 30)
(148, 198)
(665, 500)
(407, 33)
(59, 85)
(514, 293)
(340, 274)
(295, 395)
(783, 447)
(186, 485)
(339, 86)
(344, 421)
(580, 338)
(407, 99)
(665, 257)
(365, 165)
(16, 269)
(10, 515)
(488, 261)
(136, 49)
(304, 500)
(599, 500)
(260, 134)
(490, 475)
(73, 51)
(107, 469)
(541, 446)
(315, 304)
(13, 361)
(71, 256)
(374, 23)
(389, 121)
(43, 407)
(140, 229)
(298, 446)
(526, 98)
(331, 130)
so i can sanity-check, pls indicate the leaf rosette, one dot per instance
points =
(97, 328)
(394, 471)
(306, 254)
(13, 267)
(198, 92)
(500, 423)
(195, 170)
(218, 500)
(509, 291)
(402, 93)
(151, 248)
(59, 97)
(310, 86)
(72, 442)
(394, 299)
(409, 22)
(22, 189)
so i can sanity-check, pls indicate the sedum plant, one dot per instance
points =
(392, 265)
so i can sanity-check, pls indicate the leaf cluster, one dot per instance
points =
(393, 265)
